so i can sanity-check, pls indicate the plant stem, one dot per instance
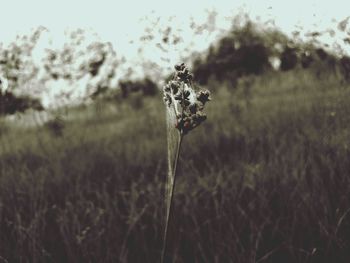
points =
(169, 209)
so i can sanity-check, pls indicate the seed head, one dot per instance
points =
(203, 96)
(187, 104)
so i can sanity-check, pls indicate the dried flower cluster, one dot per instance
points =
(188, 105)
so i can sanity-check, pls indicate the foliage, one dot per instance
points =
(10, 103)
(16, 62)
(18, 69)
(146, 86)
(249, 49)
(241, 52)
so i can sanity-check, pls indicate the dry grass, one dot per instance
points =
(266, 179)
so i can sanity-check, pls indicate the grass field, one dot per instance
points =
(264, 179)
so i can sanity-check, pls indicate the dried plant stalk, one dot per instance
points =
(184, 113)
(174, 146)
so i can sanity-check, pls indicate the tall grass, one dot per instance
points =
(266, 179)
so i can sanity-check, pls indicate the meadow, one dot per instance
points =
(264, 179)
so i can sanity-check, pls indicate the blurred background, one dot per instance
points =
(83, 161)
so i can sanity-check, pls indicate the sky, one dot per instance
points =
(115, 19)
(123, 22)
